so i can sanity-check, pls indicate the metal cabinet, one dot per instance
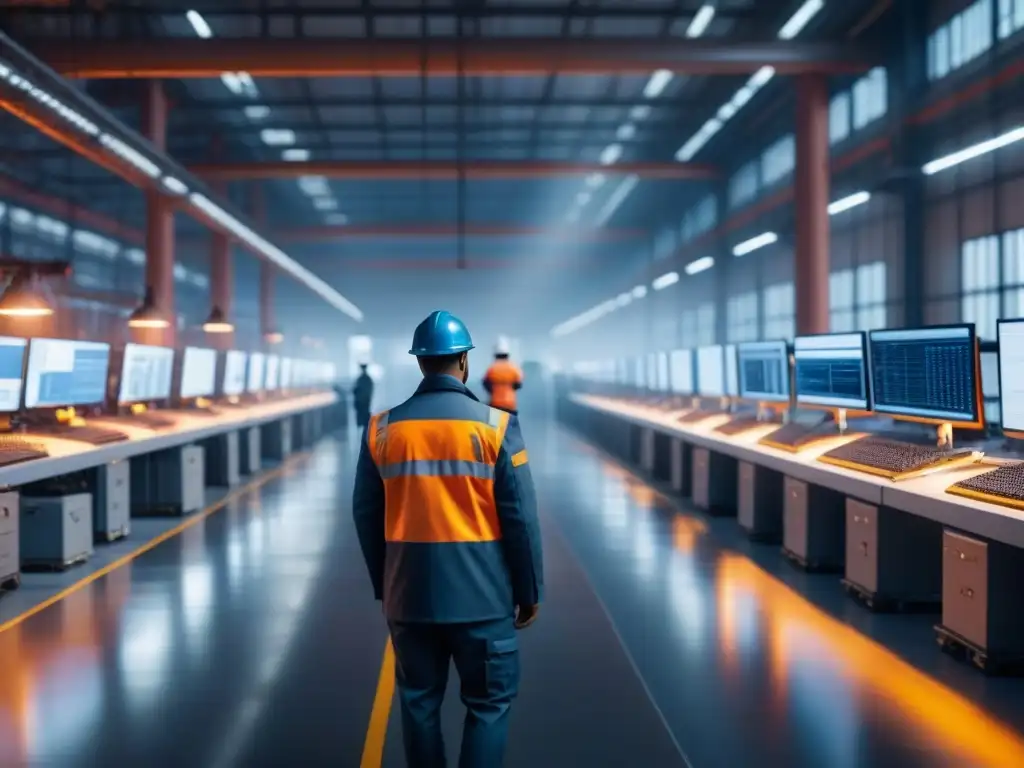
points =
(647, 450)
(56, 531)
(221, 455)
(759, 502)
(679, 472)
(813, 525)
(714, 482)
(170, 482)
(112, 501)
(10, 556)
(277, 439)
(250, 459)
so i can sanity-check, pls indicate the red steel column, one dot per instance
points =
(267, 320)
(159, 221)
(812, 198)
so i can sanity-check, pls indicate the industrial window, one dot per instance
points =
(857, 298)
(980, 284)
(870, 97)
(779, 311)
(778, 160)
(665, 244)
(741, 317)
(697, 326)
(968, 35)
(839, 117)
(743, 185)
(1011, 17)
(700, 219)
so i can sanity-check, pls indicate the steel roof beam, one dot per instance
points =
(420, 231)
(473, 169)
(406, 57)
(471, 102)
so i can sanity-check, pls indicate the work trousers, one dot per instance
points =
(486, 656)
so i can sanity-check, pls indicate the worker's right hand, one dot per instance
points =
(526, 615)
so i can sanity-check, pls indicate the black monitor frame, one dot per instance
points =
(769, 401)
(868, 390)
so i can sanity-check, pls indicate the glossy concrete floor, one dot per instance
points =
(666, 640)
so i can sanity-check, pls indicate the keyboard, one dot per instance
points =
(153, 420)
(694, 416)
(896, 460)
(1004, 486)
(85, 434)
(739, 424)
(794, 436)
(15, 449)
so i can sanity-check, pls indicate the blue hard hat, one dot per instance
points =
(440, 334)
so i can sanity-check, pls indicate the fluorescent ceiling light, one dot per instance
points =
(657, 83)
(626, 132)
(615, 200)
(595, 180)
(277, 137)
(174, 185)
(314, 186)
(669, 278)
(640, 291)
(639, 112)
(257, 112)
(623, 299)
(325, 203)
(699, 265)
(761, 78)
(984, 148)
(848, 202)
(582, 198)
(800, 19)
(295, 155)
(751, 245)
(701, 20)
(336, 219)
(610, 154)
(199, 24)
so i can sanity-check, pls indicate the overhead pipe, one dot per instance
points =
(174, 58)
(448, 170)
(35, 94)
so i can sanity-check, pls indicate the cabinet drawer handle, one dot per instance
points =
(965, 557)
(967, 592)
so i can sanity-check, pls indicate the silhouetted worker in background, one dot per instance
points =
(446, 514)
(503, 379)
(362, 396)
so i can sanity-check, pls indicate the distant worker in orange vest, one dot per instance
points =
(503, 379)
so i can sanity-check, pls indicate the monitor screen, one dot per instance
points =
(732, 377)
(681, 373)
(710, 371)
(146, 373)
(328, 373)
(663, 381)
(286, 372)
(1011, 374)
(273, 371)
(198, 372)
(926, 373)
(63, 372)
(12, 361)
(651, 374)
(254, 382)
(234, 373)
(832, 371)
(763, 371)
(639, 367)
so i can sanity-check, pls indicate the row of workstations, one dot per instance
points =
(840, 447)
(91, 437)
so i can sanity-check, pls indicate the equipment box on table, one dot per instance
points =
(56, 531)
(10, 559)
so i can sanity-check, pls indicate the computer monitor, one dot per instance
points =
(12, 372)
(286, 373)
(651, 373)
(831, 371)
(273, 372)
(1011, 376)
(927, 374)
(681, 371)
(732, 377)
(639, 369)
(763, 368)
(146, 373)
(330, 373)
(255, 379)
(198, 373)
(663, 374)
(234, 373)
(711, 371)
(62, 373)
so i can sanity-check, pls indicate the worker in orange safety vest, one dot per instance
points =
(503, 379)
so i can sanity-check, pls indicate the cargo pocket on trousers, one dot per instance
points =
(502, 669)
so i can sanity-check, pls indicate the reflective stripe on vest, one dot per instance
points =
(439, 478)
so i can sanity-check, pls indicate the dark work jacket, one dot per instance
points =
(445, 509)
(362, 396)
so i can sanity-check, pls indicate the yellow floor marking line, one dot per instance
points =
(373, 747)
(192, 520)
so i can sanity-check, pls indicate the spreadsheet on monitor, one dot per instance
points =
(1011, 374)
(62, 372)
(764, 371)
(831, 371)
(12, 362)
(146, 373)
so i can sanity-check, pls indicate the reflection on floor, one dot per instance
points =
(251, 639)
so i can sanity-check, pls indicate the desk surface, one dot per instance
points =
(923, 496)
(72, 456)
